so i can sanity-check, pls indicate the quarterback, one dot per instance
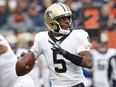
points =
(66, 50)
(8, 77)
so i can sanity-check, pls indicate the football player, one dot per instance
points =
(8, 77)
(66, 50)
(101, 57)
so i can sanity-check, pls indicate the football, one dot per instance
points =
(25, 64)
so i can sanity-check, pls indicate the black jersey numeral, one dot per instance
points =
(59, 61)
(101, 65)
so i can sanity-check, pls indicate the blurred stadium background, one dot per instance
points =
(95, 16)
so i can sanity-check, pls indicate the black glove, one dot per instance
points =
(57, 48)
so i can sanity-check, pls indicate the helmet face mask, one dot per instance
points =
(53, 14)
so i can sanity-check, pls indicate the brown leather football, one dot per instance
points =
(25, 64)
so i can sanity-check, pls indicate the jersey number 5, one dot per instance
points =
(59, 61)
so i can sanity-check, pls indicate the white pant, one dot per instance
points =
(24, 81)
(35, 74)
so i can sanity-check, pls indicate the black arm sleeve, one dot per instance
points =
(73, 58)
(109, 70)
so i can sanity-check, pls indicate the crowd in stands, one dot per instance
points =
(27, 15)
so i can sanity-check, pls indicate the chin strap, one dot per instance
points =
(65, 32)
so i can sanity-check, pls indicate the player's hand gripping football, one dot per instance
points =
(25, 63)
(57, 48)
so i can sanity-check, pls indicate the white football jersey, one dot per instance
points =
(100, 64)
(8, 77)
(63, 73)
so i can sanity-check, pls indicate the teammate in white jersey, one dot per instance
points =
(8, 77)
(70, 48)
(101, 58)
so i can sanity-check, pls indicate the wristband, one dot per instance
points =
(73, 58)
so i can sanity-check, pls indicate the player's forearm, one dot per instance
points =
(3, 49)
(73, 58)
(84, 61)
(87, 59)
